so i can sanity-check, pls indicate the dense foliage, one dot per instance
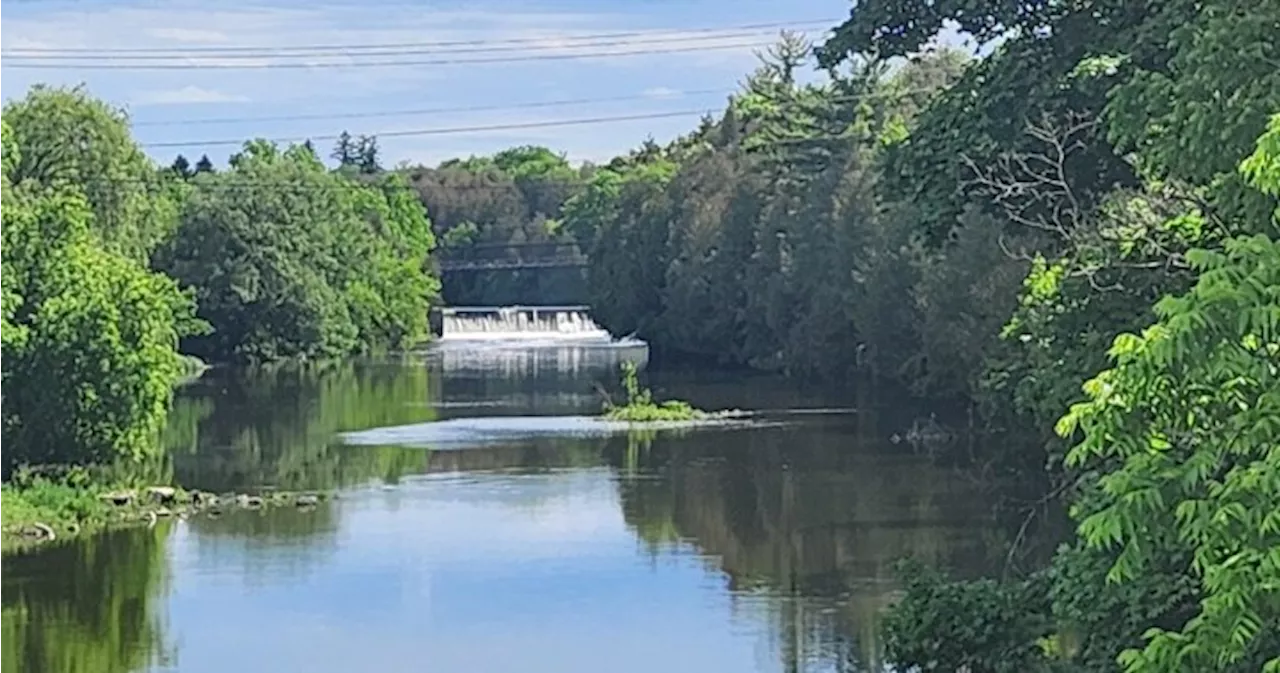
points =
(90, 334)
(111, 263)
(1097, 200)
(479, 205)
(289, 259)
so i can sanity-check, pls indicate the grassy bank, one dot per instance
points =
(39, 507)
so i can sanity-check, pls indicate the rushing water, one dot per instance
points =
(509, 547)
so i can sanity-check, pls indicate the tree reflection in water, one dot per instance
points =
(91, 606)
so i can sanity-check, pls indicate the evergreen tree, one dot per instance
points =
(182, 168)
(203, 165)
(367, 155)
(345, 150)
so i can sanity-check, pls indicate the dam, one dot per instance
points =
(518, 323)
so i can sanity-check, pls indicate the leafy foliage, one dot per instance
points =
(982, 626)
(640, 407)
(1189, 418)
(90, 334)
(67, 139)
(290, 260)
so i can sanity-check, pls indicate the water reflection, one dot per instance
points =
(277, 427)
(752, 550)
(89, 607)
(546, 378)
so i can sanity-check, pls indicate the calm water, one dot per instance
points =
(505, 545)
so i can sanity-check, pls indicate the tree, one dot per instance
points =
(204, 165)
(1185, 428)
(290, 260)
(68, 140)
(366, 157)
(182, 168)
(89, 333)
(345, 150)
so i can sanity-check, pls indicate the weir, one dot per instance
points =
(499, 323)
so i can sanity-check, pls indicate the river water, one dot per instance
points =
(496, 542)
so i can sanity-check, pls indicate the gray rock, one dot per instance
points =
(118, 498)
(162, 494)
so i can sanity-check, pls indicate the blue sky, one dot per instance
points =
(160, 101)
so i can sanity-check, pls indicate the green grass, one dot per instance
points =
(67, 502)
(640, 407)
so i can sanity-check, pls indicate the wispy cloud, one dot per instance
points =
(190, 35)
(187, 95)
(662, 92)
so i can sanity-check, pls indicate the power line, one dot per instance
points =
(377, 50)
(223, 142)
(454, 129)
(99, 65)
(453, 43)
(422, 111)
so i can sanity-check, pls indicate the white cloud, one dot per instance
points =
(187, 95)
(662, 92)
(190, 35)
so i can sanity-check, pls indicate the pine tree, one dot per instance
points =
(182, 168)
(344, 151)
(367, 155)
(203, 165)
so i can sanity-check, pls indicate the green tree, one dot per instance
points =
(182, 168)
(1186, 427)
(89, 334)
(366, 158)
(204, 165)
(67, 139)
(288, 259)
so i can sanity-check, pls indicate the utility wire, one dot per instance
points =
(454, 129)
(844, 98)
(423, 111)
(372, 50)
(454, 43)
(100, 65)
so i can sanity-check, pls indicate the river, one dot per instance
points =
(505, 544)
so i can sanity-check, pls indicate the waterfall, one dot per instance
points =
(520, 322)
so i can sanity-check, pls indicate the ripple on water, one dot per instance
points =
(470, 432)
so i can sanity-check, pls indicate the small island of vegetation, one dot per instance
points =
(640, 407)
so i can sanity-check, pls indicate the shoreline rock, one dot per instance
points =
(147, 505)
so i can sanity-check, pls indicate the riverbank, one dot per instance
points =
(37, 509)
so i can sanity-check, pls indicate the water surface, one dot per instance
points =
(764, 548)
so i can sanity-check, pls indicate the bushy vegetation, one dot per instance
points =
(117, 273)
(90, 333)
(347, 269)
(640, 407)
